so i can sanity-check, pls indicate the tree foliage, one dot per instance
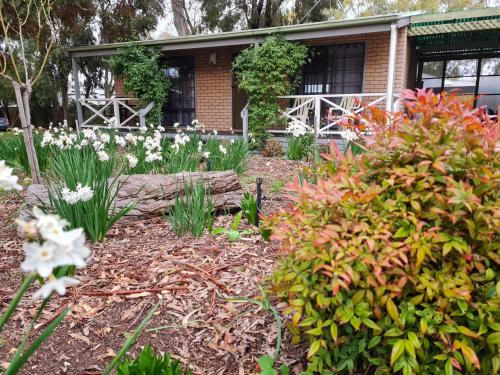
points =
(394, 256)
(265, 72)
(140, 67)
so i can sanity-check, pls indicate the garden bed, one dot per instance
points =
(141, 261)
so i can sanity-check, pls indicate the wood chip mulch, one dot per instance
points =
(141, 262)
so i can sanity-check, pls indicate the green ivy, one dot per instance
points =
(265, 72)
(141, 69)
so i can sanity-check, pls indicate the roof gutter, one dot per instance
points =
(295, 32)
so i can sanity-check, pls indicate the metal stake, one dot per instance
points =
(259, 200)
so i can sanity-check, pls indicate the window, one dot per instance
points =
(334, 69)
(180, 106)
(489, 84)
(472, 77)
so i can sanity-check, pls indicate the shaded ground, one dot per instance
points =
(143, 261)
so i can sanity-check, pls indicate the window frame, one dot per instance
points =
(167, 109)
(301, 89)
(445, 59)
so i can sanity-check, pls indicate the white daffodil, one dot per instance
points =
(105, 138)
(49, 226)
(349, 135)
(132, 160)
(56, 285)
(75, 252)
(176, 125)
(206, 154)
(70, 197)
(222, 149)
(42, 258)
(103, 155)
(120, 141)
(8, 181)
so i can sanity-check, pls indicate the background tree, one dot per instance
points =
(27, 40)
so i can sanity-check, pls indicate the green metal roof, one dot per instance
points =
(258, 33)
(452, 22)
(474, 31)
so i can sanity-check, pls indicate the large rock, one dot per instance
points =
(155, 194)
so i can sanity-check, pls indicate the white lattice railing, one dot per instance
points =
(324, 114)
(102, 110)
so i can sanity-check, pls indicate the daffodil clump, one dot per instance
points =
(300, 140)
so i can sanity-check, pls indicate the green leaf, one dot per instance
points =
(313, 348)
(371, 324)
(493, 339)
(265, 362)
(315, 331)
(397, 351)
(334, 331)
(284, 370)
(393, 332)
(375, 340)
(392, 310)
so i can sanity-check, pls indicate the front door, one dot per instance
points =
(239, 100)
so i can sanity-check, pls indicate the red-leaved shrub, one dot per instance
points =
(393, 256)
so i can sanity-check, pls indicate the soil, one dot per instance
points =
(197, 280)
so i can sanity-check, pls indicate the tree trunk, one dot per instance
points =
(64, 96)
(155, 194)
(181, 22)
(22, 99)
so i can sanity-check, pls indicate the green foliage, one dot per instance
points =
(97, 215)
(235, 158)
(148, 362)
(300, 147)
(140, 67)
(394, 254)
(266, 365)
(249, 207)
(13, 151)
(265, 72)
(193, 210)
(233, 233)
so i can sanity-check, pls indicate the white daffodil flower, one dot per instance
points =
(8, 181)
(132, 160)
(56, 285)
(42, 258)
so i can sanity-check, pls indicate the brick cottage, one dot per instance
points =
(370, 58)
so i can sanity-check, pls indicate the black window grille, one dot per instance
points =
(181, 102)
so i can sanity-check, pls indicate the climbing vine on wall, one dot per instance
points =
(264, 72)
(142, 72)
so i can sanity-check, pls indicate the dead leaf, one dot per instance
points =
(80, 337)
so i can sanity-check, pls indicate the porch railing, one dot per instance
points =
(125, 111)
(311, 111)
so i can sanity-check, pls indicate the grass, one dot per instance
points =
(300, 147)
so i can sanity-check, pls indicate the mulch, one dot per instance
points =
(142, 262)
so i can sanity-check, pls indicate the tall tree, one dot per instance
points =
(312, 10)
(182, 21)
(227, 15)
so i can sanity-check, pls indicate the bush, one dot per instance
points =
(265, 72)
(193, 211)
(394, 258)
(148, 362)
(272, 148)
